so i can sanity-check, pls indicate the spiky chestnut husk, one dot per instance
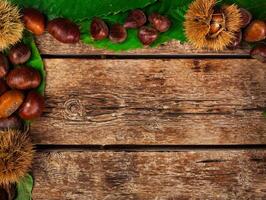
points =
(199, 21)
(16, 155)
(11, 27)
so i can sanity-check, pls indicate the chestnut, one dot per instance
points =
(259, 53)
(3, 65)
(10, 101)
(256, 31)
(118, 33)
(135, 19)
(34, 21)
(159, 22)
(237, 41)
(13, 122)
(23, 78)
(32, 107)
(147, 35)
(246, 17)
(64, 30)
(99, 30)
(3, 87)
(19, 54)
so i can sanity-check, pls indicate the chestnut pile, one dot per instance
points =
(136, 19)
(18, 100)
(253, 31)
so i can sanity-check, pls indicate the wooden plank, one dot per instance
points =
(183, 101)
(48, 45)
(234, 175)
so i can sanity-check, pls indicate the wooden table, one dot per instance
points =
(169, 123)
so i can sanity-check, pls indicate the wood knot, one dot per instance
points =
(74, 109)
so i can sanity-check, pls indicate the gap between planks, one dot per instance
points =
(146, 148)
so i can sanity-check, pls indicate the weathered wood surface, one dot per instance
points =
(170, 101)
(234, 175)
(48, 45)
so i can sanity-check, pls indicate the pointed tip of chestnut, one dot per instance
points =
(99, 29)
(34, 21)
(19, 54)
(118, 33)
(135, 19)
(160, 22)
(32, 107)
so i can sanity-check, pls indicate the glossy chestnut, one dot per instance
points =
(135, 19)
(147, 35)
(23, 78)
(32, 107)
(10, 101)
(3, 65)
(34, 21)
(19, 54)
(64, 30)
(118, 33)
(98, 29)
(159, 22)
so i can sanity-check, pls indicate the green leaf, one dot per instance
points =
(264, 114)
(35, 60)
(174, 9)
(82, 9)
(24, 188)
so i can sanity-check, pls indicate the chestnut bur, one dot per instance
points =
(23, 78)
(237, 41)
(3, 66)
(34, 21)
(147, 35)
(118, 33)
(32, 107)
(159, 22)
(64, 30)
(19, 54)
(135, 19)
(99, 30)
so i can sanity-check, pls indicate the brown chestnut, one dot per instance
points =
(118, 33)
(256, 31)
(32, 107)
(3, 87)
(236, 42)
(10, 101)
(99, 30)
(259, 53)
(3, 65)
(34, 21)
(147, 35)
(13, 122)
(19, 54)
(135, 19)
(159, 22)
(64, 30)
(246, 17)
(23, 78)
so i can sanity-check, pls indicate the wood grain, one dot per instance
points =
(170, 101)
(48, 45)
(234, 175)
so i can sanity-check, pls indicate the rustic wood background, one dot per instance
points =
(169, 123)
